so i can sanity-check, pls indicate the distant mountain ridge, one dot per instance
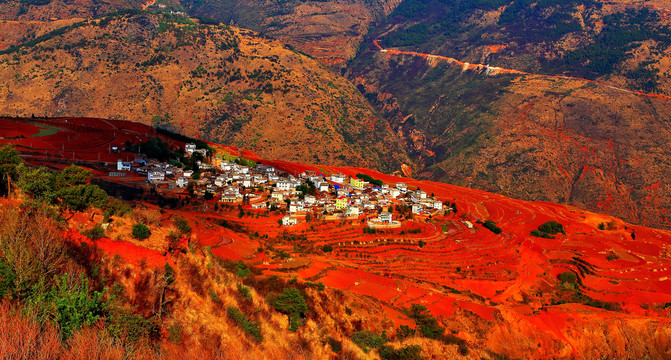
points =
(532, 137)
(221, 83)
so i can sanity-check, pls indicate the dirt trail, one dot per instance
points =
(494, 70)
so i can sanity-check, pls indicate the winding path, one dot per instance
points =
(494, 70)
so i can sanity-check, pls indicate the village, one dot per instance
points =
(305, 197)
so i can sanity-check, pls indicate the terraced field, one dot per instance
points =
(562, 297)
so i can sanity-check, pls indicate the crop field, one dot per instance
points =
(81, 139)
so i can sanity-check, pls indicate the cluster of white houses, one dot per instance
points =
(331, 197)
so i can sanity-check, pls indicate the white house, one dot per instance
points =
(265, 169)
(420, 194)
(289, 221)
(154, 175)
(243, 170)
(394, 192)
(277, 195)
(190, 148)
(385, 217)
(187, 173)
(324, 187)
(417, 208)
(182, 182)
(220, 181)
(310, 199)
(228, 166)
(402, 187)
(285, 186)
(296, 206)
(353, 211)
(247, 182)
(438, 205)
(259, 205)
(122, 166)
(231, 197)
(338, 178)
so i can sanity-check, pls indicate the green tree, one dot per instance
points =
(81, 197)
(427, 325)
(9, 160)
(72, 176)
(291, 302)
(38, 182)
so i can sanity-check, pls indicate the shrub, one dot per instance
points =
(95, 232)
(251, 327)
(463, 349)
(70, 303)
(404, 331)
(336, 346)
(244, 292)
(540, 234)
(568, 277)
(327, 248)
(367, 340)
(552, 227)
(141, 231)
(492, 227)
(169, 274)
(181, 224)
(410, 352)
(213, 294)
(175, 333)
(126, 325)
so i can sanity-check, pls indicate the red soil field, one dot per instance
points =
(507, 282)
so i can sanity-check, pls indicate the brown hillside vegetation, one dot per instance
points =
(525, 123)
(331, 31)
(49, 10)
(221, 83)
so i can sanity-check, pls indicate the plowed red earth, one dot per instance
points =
(80, 139)
(495, 290)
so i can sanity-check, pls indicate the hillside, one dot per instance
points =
(221, 83)
(51, 10)
(478, 280)
(331, 31)
(540, 101)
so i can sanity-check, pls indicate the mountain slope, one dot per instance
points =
(551, 136)
(331, 31)
(45, 10)
(222, 83)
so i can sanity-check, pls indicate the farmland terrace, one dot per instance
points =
(556, 296)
